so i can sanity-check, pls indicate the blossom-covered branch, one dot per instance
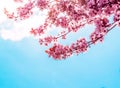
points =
(71, 16)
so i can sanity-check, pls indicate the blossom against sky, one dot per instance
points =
(23, 64)
(17, 30)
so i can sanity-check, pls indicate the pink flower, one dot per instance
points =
(62, 21)
(25, 12)
(42, 4)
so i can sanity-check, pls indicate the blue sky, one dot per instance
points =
(23, 63)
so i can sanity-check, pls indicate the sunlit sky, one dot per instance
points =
(24, 64)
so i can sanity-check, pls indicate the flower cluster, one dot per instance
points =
(101, 22)
(80, 46)
(98, 35)
(62, 21)
(117, 16)
(42, 4)
(71, 15)
(25, 12)
(101, 29)
(47, 40)
(61, 52)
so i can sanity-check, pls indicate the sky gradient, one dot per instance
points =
(24, 64)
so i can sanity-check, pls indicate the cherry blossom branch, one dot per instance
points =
(71, 15)
(93, 42)
(61, 52)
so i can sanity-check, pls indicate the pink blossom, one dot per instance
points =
(25, 12)
(71, 16)
(42, 4)
(62, 21)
